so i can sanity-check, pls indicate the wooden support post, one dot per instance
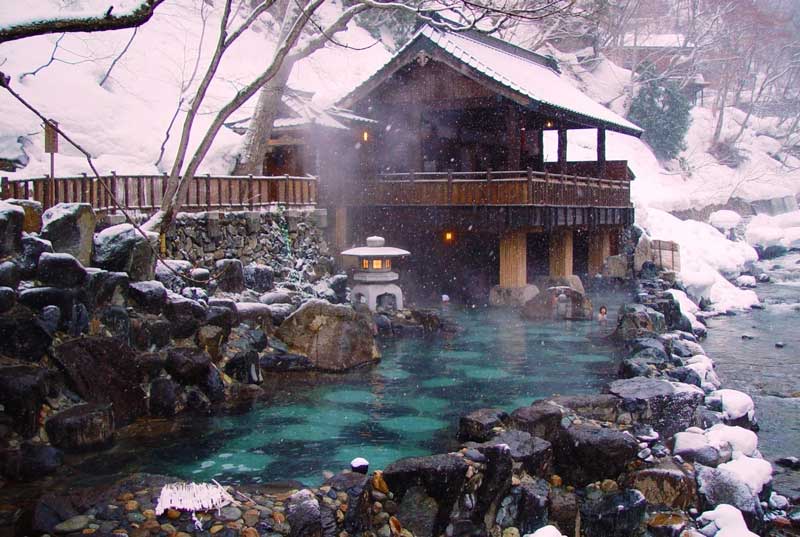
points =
(5, 190)
(449, 187)
(599, 250)
(340, 230)
(601, 153)
(530, 186)
(514, 260)
(561, 252)
(562, 147)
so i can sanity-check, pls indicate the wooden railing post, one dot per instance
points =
(113, 188)
(546, 199)
(488, 200)
(250, 191)
(449, 187)
(285, 188)
(530, 185)
(5, 190)
(208, 191)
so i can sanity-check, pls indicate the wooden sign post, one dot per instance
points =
(51, 146)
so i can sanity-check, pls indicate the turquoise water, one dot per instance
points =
(407, 405)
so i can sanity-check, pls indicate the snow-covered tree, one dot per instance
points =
(663, 112)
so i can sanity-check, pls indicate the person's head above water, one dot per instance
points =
(603, 310)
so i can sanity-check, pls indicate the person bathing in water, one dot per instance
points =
(602, 314)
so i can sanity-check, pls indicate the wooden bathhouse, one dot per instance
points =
(454, 166)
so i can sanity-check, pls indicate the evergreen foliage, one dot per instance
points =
(663, 112)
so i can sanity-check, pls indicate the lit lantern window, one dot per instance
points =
(365, 264)
(388, 263)
(365, 136)
(377, 264)
(448, 236)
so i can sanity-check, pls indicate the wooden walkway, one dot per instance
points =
(144, 193)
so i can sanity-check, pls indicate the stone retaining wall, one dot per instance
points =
(250, 236)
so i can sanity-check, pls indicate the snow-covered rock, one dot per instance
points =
(724, 220)
(735, 404)
(547, 531)
(724, 521)
(746, 281)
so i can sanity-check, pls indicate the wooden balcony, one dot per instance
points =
(144, 193)
(554, 187)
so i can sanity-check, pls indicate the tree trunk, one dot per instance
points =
(269, 101)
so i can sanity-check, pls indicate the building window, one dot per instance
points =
(377, 264)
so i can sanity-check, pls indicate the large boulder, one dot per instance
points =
(478, 424)
(636, 320)
(60, 270)
(150, 296)
(33, 214)
(666, 485)
(258, 277)
(70, 229)
(82, 427)
(560, 302)
(30, 462)
(23, 391)
(176, 274)
(668, 407)
(616, 266)
(230, 276)
(188, 365)
(303, 514)
(541, 419)
(10, 275)
(643, 252)
(23, 336)
(426, 489)
(334, 337)
(122, 248)
(534, 454)
(12, 220)
(514, 297)
(525, 507)
(32, 248)
(104, 370)
(614, 515)
(164, 398)
(587, 453)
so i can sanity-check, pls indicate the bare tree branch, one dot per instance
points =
(119, 56)
(109, 21)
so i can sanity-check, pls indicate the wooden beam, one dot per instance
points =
(601, 153)
(513, 135)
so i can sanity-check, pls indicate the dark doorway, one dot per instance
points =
(580, 252)
(538, 255)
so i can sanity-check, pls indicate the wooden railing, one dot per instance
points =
(496, 188)
(144, 193)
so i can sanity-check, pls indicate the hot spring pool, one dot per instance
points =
(407, 405)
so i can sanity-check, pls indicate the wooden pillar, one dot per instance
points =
(561, 252)
(341, 229)
(513, 260)
(562, 145)
(601, 152)
(540, 156)
(599, 250)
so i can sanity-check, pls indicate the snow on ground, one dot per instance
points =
(705, 256)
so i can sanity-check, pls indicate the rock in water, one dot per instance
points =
(122, 248)
(104, 370)
(636, 320)
(70, 229)
(478, 424)
(12, 220)
(666, 484)
(334, 337)
(303, 515)
(163, 398)
(427, 489)
(614, 515)
(82, 428)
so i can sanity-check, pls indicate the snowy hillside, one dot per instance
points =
(123, 122)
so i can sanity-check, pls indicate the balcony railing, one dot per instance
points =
(144, 193)
(502, 188)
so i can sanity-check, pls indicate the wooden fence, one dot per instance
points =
(144, 193)
(496, 188)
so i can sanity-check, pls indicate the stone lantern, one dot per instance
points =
(374, 277)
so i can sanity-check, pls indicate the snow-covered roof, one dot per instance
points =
(375, 248)
(523, 72)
